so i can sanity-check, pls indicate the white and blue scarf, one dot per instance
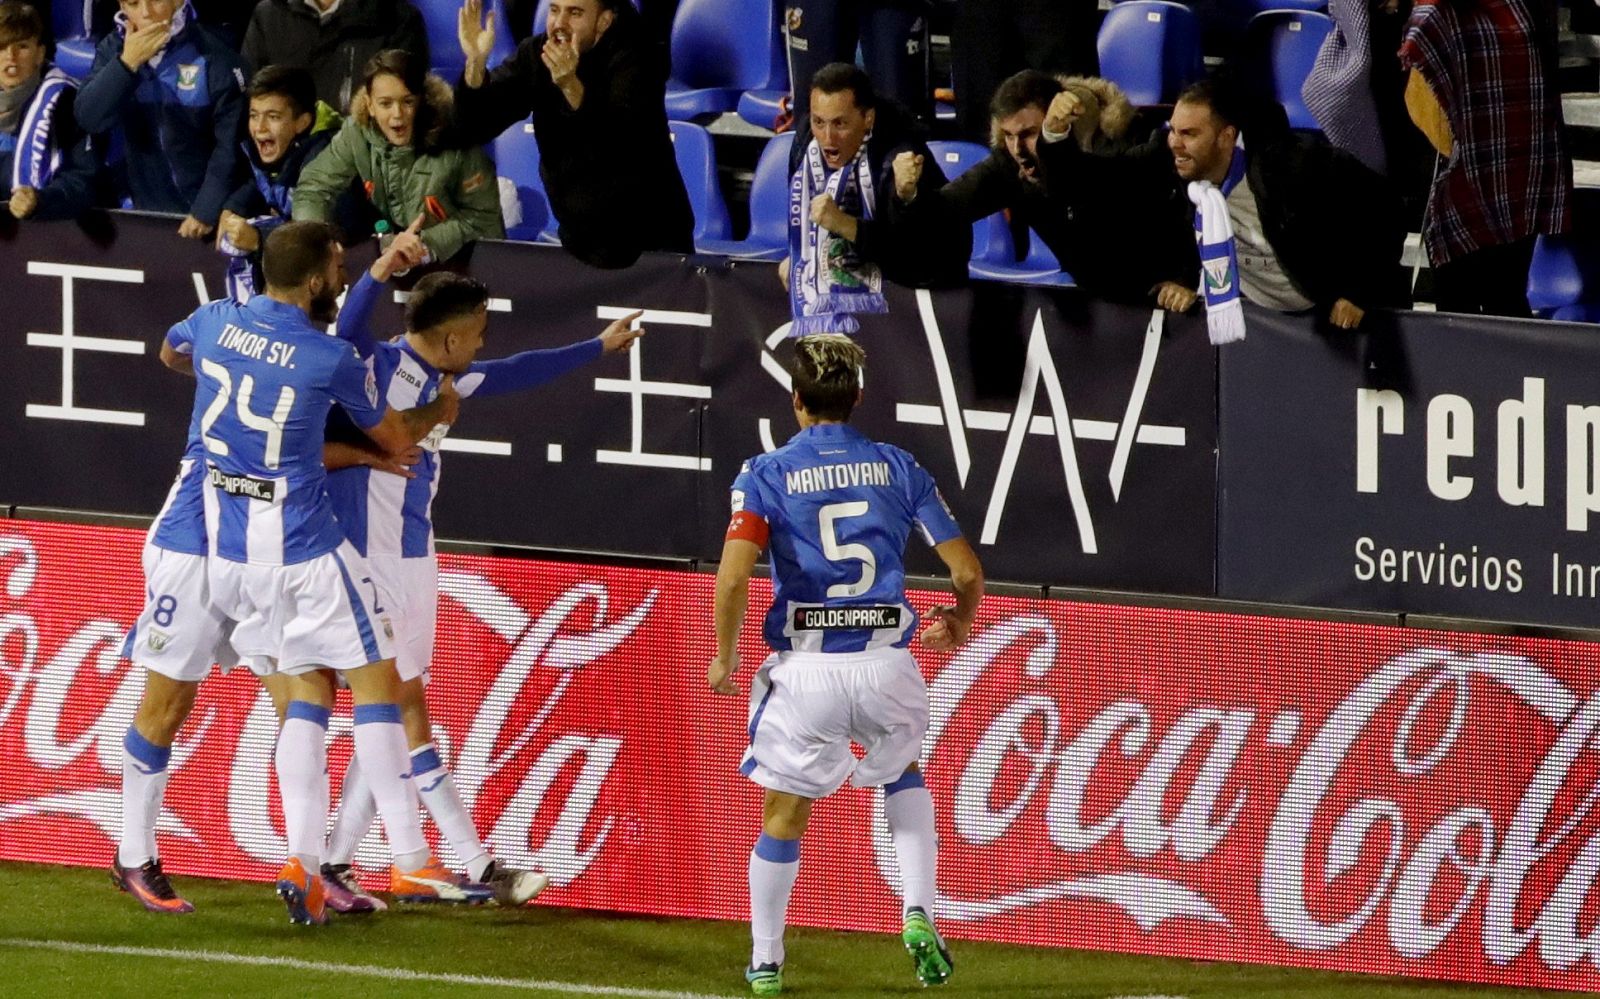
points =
(1219, 257)
(38, 154)
(828, 280)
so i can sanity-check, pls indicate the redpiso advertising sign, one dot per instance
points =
(1131, 779)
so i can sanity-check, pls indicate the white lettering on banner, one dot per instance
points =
(536, 643)
(1520, 442)
(1407, 883)
(52, 689)
(636, 388)
(250, 820)
(1040, 367)
(69, 343)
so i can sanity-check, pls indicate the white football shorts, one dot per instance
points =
(409, 589)
(807, 707)
(318, 614)
(179, 633)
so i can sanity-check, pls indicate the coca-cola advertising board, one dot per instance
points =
(1133, 779)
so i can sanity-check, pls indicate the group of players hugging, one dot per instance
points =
(297, 543)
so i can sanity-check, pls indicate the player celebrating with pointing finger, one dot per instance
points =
(834, 509)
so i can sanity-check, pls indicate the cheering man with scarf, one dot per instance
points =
(845, 233)
(47, 167)
(1284, 222)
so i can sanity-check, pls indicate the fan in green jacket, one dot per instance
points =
(398, 140)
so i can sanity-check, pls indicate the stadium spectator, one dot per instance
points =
(399, 141)
(1311, 227)
(176, 92)
(289, 127)
(47, 166)
(993, 39)
(333, 39)
(848, 164)
(1116, 243)
(595, 83)
(892, 36)
(1491, 68)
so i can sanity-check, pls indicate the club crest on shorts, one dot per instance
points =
(156, 640)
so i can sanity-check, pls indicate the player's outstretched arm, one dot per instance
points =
(732, 599)
(532, 368)
(399, 429)
(949, 626)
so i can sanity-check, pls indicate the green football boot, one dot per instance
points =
(929, 955)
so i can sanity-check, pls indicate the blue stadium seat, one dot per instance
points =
(769, 208)
(1280, 48)
(991, 238)
(761, 107)
(516, 157)
(1564, 279)
(1151, 49)
(697, 162)
(720, 49)
(994, 257)
(1039, 267)
(444, 44)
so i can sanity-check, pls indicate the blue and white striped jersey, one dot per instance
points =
(384, 514)
(265, 381)
(181, 524)
(839, 508)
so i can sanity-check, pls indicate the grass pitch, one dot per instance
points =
(66, 932)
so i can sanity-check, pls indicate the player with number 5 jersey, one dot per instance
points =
(834, 510)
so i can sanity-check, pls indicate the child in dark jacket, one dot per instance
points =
(288, 127)
(176, 92)
(47, 167)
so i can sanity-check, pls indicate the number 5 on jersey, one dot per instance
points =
(835, 552)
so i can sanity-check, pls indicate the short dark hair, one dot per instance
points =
(441, 297)
(1221, 96)
(826, 371)
(1027, 89)
(19, 22)
(293, 83)
(296, 252)
(837, 77)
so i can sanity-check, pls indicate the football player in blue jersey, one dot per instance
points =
(389, 520)
(179, 634)
(834, 509)
(280, 567)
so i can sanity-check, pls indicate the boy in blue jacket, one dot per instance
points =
(176, 91)
(47, 167)
(287, 127)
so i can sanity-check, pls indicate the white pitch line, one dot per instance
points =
(363, 970)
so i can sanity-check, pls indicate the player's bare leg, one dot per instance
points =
(146, 749)
(439, 795)
(774, 864)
